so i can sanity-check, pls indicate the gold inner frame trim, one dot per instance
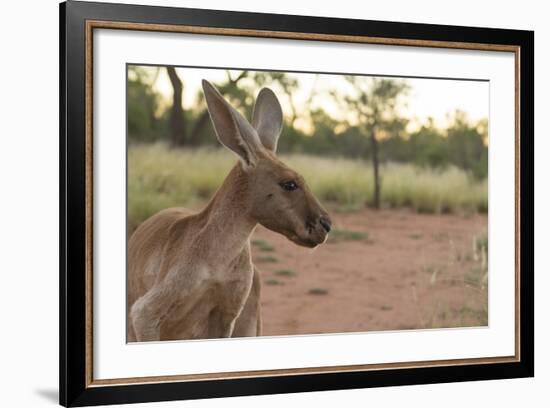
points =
(99, 24)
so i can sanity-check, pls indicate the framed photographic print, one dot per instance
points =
(256, 203)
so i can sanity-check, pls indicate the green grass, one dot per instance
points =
(160, 177)
(339, 235)
(318, 291)
(473, 277)
(263, 245)
(273, 282)
(266, 259)
(481, 242)
(476, 276)
(285, 272)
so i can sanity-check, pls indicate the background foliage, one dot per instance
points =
(372, 157)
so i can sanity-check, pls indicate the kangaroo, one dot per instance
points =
(190, 274)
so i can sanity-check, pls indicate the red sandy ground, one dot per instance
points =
(412, 271)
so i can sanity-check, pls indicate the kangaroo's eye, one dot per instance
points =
(289, 185)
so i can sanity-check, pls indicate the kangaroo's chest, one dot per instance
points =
(226, 287)
(231, 283)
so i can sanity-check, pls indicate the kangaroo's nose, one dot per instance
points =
(325, 222)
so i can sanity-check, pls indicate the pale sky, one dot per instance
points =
(435, 98)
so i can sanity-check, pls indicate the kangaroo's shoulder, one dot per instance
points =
(174, 213)
(156, 228)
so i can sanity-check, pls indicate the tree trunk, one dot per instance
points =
(177, 124)
(200, 123)
(376, 170)
(202, 119)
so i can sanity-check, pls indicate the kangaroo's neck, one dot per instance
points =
(228, 223)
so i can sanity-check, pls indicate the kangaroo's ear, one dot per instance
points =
(232, 129)
(268, 118)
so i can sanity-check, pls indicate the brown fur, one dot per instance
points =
(190, 275)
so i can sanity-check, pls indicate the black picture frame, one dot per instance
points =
(75, 389)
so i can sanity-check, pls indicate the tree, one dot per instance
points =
(239, 88)
(429, 147)
(374, 106)
(177, 117)
(287, 84)
(143, 104)
(228, 87)
(468, 144)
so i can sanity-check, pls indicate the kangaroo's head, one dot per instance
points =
(279, 197)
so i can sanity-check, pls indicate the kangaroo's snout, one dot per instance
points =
(325, 223)
(316, 231)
